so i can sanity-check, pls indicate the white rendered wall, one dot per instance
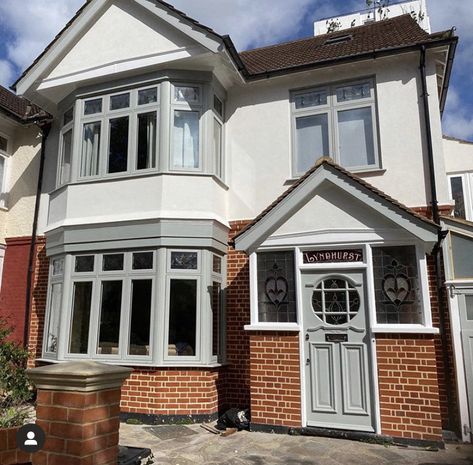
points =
(259, 134)
(458, 156)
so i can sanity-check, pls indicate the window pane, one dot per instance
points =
(354, 92)
(217, 148)
(182, 317)
(397, 285)
(66, 157)
(84, 264)
(113, 262)
(118, 148)
(2, 173)
(92, 107)
(469, 307)
(218, 106)
(276, 287)
(110, 314)
(186, 139)
(462, 251)
(312, 140)
(184, 260)
(68, 116)
(217, 264)
(140, 317)
(457, 194)
(80, 318)
(143, 261)
(58, 266)
(187, 94)
(311, 99)
(146, 96)
(119, 101)
(90, 149)
(146, 141)
(53, 323)
(3, 144)
(356, 138)
(216, 318)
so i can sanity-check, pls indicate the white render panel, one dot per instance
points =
(259, 134)
(124, 32)
(156, 196)
(333, 209)
(458, 156)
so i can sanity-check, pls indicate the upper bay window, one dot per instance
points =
(461, 191)
(155, 128)
(337, 121)
(4, 155)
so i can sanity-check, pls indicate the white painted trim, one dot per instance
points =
(121, 66)
(273, 327)
(254, 289)
(404, 329)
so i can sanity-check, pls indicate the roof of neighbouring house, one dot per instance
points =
(19, 108)
(399, 32)
(326, 161)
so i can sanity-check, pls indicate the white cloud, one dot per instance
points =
(7, 73)
(32, 24)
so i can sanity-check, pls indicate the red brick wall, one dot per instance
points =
(9, 453)
(275, 379)
(13, 292)
(408, 386)
(238, 315)
(39, 291)
(170, 391)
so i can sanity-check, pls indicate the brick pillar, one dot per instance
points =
(78, 406)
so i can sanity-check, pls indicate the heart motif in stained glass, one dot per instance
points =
(396, 288)
(276, 290)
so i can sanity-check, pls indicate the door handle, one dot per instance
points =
(307, 362)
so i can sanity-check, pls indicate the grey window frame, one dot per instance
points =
(467, 184)
(331, 109)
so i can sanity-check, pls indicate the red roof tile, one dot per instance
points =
(401, 31)
(18, 107)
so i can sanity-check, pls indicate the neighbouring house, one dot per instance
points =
(258, 229)
(21, 126)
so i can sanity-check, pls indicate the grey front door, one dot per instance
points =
(337, 351)
(466, 320)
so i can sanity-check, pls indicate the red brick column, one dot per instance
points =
(9, 453)
(78, 408)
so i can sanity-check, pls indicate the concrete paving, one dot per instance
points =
(245, 448)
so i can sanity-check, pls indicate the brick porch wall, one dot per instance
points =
(13, 292)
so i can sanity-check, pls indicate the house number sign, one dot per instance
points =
(333, 256)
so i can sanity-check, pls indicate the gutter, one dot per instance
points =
(44, 125)
(441, 236)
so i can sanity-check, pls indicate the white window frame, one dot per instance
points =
(4, 188)
(367, 264)
(197, 107)
(64, 130)
(331, 109)
(467, 184)
(220, 119)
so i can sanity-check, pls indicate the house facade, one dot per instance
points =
(21, 128)
(256, 229)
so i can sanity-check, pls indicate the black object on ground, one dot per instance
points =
(234, 418)
(135, 456)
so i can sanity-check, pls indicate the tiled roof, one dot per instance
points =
(17, 107)
(456, 139)
(329, 162)
(394, 33)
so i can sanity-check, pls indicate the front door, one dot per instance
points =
(466, 321)
(337, 351)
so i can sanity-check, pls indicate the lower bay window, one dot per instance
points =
(131, 307)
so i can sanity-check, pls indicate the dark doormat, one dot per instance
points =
(170, 431)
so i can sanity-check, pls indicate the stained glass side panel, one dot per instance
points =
(276, 287)
(397, 285)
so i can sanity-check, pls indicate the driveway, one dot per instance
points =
(192, 445)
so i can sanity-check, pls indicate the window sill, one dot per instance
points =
(132, 363)
(273, 327)
(407, 329)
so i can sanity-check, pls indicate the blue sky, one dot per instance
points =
(27, 26)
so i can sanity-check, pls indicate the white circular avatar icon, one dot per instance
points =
(31, 441)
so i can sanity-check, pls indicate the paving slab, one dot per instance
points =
(244, 448)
